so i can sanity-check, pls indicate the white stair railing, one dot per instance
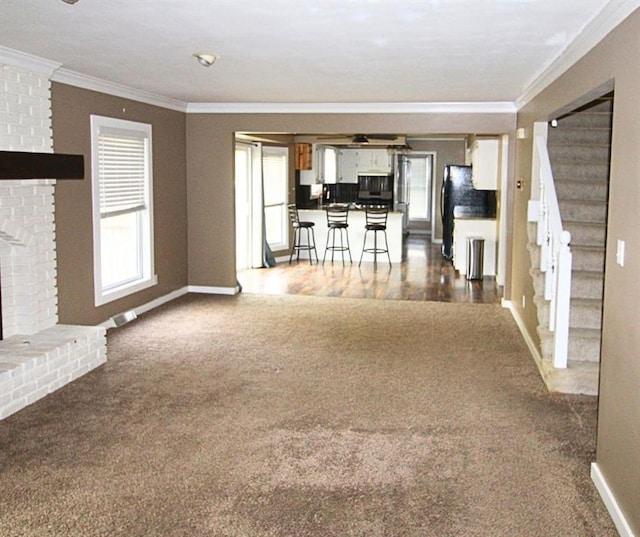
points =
(555, 254)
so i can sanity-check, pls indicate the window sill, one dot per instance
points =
(125, 290)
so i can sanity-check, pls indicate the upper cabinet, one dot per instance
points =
(484, 159)
(348, 166)
(363, 161)
(374, 161)
(304, 156)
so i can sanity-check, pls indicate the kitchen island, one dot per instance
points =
(356, 234)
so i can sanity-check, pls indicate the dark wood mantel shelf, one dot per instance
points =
(26, 165)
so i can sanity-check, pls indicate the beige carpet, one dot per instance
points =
(303, 416)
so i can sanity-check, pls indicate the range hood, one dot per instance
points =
(27, 165)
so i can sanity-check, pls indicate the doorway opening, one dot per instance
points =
(419, 181)
(261, 190)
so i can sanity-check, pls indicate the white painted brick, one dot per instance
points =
(69, 368)
(82, 370)
(48, 379)
(59, 383)
(11, 143)
(33, 396)
(6, 385)
(5, 399)
(57, 362)
(12, 408)
(26, 388)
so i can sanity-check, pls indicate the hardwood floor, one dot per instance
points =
(423, 275)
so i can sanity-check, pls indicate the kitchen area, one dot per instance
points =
(445, 191)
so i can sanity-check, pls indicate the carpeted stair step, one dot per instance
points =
(589, 258)
(575, 152)
(584, 312)
(580, 135)
(586, 121)
(597, 116)
(534, 254)
(585, 233)
(578, 377)
(584, 344)
(587, 284)
(537, 278)
(580, 170)
(584, 284)
(582, 190)
(583, 211)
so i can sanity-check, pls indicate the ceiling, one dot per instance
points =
(312, 51)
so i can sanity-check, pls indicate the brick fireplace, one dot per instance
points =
(37, 355)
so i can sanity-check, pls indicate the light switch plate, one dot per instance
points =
(620, 253)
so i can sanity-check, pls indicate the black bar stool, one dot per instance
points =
(298, 226)
(337, 221)
(376, 221)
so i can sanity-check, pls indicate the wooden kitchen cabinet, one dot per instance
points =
(484, 159)
(303, 156)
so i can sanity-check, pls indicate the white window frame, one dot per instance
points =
(280, 153)
(147, 277)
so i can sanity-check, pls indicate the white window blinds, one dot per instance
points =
(123, 171)
(274, 170)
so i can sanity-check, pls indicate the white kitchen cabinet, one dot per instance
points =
(484, 159)
(374, 161)
(348, 166)
(352, 162)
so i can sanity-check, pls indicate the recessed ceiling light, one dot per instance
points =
(69, 1)
(205, 58)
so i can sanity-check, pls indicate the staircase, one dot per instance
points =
(579, 149)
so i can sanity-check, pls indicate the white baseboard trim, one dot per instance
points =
(161, 300)
(533, 348)
(213, 290)
(610, 502)
(109, 323)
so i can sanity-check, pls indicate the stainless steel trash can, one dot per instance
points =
(475, 258)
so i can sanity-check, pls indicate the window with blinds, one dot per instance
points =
(123, 216)
(122, 167)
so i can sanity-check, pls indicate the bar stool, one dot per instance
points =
(376, 221)
(298, 226)
(337, 221)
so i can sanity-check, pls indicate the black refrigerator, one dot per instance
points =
(459, 199)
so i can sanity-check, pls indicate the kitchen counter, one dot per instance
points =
(356, 234)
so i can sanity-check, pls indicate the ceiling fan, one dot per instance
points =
(361, 138)
(357, 140)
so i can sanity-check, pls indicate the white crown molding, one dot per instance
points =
(353, 108)
(591, 34)
(79, 80)
(28, 62)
